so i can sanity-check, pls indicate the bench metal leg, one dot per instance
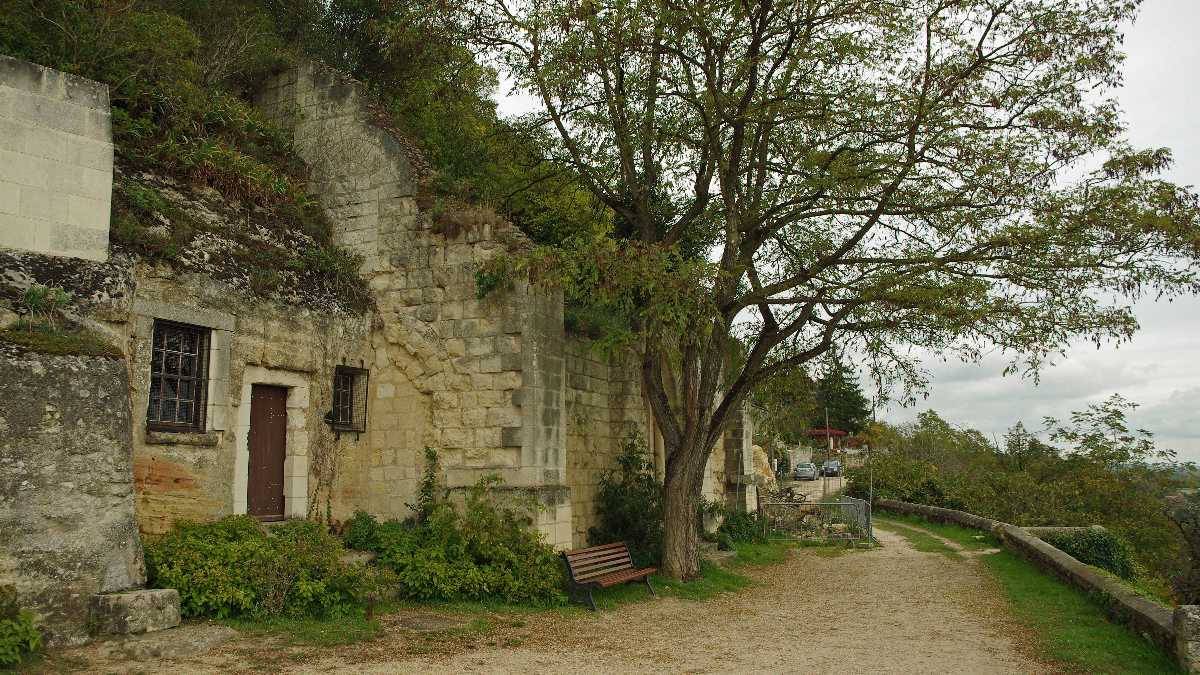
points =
(652, 593)
(590, 600)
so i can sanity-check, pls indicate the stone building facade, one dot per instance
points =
(230, 403)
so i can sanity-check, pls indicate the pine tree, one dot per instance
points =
(838, 391)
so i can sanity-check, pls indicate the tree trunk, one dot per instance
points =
(682, 488)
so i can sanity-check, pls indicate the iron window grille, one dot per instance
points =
(178, 377)
(349, 399)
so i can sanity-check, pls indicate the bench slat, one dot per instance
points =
(622, 577)
(595, 554)
(602, 547)
(600, 560)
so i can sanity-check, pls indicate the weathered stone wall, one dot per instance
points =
(202, 476)
(604, 408)
(67, 527)
(56, 160)
(491, 370)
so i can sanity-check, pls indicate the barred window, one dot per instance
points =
(349, 399)
(178, 377)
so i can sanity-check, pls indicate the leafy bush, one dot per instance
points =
(741, 527)
(361, 532)
(1097, 547)
(1105, 475)
(19, 637)
(236, 567)
(484, 549)
(629, 505)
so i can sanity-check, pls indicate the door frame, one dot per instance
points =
(295, 462)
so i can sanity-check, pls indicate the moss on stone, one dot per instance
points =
(59, 343)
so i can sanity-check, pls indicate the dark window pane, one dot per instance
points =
(185, 413)
(186, 364)
(156, 361)
(172, 366)
(174, 340)
(185, 390)
(153, 412)
(170, 387)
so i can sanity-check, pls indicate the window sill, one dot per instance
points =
(208, 439)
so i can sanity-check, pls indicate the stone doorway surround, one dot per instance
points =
(295, 463)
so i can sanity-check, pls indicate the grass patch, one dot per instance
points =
(920, 539)
(1070, 626)
(968, 538)
(326, 632)
(45, 340)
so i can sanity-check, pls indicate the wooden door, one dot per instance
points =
(268, 447)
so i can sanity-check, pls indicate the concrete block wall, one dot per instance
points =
(56, 161)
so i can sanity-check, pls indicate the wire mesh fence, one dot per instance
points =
(844, 519)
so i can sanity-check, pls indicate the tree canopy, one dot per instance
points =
(951, 174)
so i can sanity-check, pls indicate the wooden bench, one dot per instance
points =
(601, 567)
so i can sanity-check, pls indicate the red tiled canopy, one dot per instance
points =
(825, 432)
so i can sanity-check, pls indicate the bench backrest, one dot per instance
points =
(587, 563)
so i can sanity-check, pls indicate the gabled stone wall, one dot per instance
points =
(56, 161)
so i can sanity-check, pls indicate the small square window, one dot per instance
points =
(349, 399)
(178, 377)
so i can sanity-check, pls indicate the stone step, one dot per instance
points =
(134, 612)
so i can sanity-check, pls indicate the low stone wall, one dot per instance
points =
(67, 527)
(1178, 632)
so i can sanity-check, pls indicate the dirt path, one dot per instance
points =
(891, 609)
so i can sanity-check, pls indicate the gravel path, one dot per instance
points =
(890, 609)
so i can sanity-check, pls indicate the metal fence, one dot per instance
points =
(844, 519)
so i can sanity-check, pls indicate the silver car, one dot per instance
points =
(805, 471)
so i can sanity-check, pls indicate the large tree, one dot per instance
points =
(951, 174)
(840, 396)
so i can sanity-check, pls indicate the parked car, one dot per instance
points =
(831, 467)
(805, 471)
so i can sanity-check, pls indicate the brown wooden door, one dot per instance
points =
(268, 447)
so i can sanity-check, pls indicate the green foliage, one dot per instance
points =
(42, 304)
(174, 68)
(46, 340)
(1031, 483)
(742, 527)
(19, 637)
(236, 567)
(1096, 547)
(484, 550)
(629, 505)
(839, 395)
(429, 491)
(361, 532)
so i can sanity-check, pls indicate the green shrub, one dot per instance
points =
(485, 550)
(741, 527)
(629, 505)
(235, 567)
(1094, 546)
(361, 532)
(19, 637)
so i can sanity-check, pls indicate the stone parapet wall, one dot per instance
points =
(1153, 621)
(67, 525)
(56, 161)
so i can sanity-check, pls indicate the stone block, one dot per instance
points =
(1187, 637)
(134, 612)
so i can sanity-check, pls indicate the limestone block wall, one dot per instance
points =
(604, 409)
(67, 527)
(490, 371)
(56, 161)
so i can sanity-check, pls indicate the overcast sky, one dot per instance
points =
(1160, 368)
